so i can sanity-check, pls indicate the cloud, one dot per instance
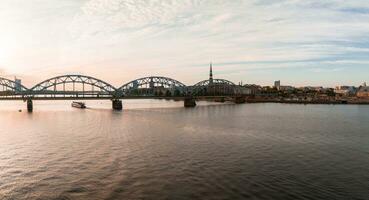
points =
(101, 16)
(143, 37)
(326, 70)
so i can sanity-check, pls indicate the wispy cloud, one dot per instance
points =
(326, 70)
(142, 37)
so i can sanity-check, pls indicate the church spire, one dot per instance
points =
(211, 73)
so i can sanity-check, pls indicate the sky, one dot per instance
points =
(300, 42)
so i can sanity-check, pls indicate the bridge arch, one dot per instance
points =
(152, 82)
(65, 80)
(216, 87)
(215, 82)
(9, 87)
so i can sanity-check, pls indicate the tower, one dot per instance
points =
(211, 74)
(18, 84)
(277, 85)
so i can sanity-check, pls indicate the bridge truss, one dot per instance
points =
(218, 87)
(73, 86)
(80, 86)
(9, 88)
(153, 85)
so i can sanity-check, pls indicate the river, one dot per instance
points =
(159, 150)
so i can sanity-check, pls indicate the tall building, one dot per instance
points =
(211, 74)
(277, 85)
(18, 84)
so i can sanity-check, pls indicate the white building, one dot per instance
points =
(345, 90)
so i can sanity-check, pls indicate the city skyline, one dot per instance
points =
(276, 84)
(299, 42)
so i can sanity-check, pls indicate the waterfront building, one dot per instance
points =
(254, 89)
(319, 89)
(345, 90)
(245, 90)
(313, 88)
(363, 92)
(286, 88)
(279, 87)
(277, 84)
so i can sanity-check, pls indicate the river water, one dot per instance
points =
(160, 150)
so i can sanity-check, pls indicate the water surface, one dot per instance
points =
(160, 150)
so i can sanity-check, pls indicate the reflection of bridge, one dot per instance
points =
(73, 87)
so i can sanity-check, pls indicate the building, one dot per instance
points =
(313, 88)
(243, 90)
(286, 88)
(18, 84)
(345, 90)
(277, 85)
(363, 92)
(254, 89)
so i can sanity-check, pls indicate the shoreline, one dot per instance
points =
(324, 102)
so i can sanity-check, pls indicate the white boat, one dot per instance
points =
(78, 105)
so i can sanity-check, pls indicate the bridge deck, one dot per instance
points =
(109, 98)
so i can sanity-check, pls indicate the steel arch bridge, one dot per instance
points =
(87, 86)
(11, 88)
(216, 87)
(148, 85)
(73, 86)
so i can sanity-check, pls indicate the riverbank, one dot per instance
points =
(352, 102)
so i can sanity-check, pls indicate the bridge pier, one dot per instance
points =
(29, 105)
(189, 102)
(239, 100)
(117, 104)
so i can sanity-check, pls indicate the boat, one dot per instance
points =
(78, 104)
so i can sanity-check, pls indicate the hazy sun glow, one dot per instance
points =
(6, 49)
